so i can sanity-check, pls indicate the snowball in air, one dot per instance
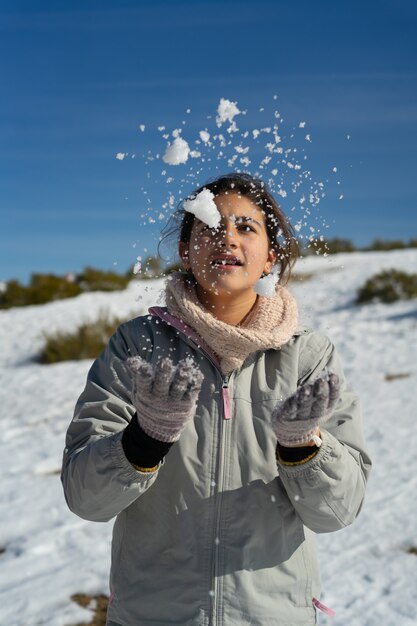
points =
(177, 152)
(204, 208)
(266, 286)
(121, 155)
(204, 136)
(226, 111)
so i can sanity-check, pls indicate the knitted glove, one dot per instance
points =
(165, 395)
(296, 420)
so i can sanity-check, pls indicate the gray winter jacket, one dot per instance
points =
(219, 535)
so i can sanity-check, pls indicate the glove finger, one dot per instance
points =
(185, 373)
(334, 390)
(179, 384)
(305, 399)
(163, 374)
(141, 372)
(287, 411)
(321, 399)
(194, 386)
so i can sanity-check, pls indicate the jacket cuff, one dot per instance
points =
(140, 449)
(295, 456)
(323, 454)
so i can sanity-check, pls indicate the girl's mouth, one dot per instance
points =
(226, 263)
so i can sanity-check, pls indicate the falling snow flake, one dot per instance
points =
(204, 136)
(226, 111)
(177, 152)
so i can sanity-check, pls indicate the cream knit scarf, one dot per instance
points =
(270, 324)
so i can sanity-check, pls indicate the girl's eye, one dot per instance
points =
(247, 229)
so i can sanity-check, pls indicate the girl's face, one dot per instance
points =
(229, 260)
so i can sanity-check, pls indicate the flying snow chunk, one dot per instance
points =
(142, 127)
(177, 152)
(121, 155)
(226, 111)
(266, 286)
(301, 125)
(204, 136)
(204, 208)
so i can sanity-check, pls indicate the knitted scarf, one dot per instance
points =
(270, 324)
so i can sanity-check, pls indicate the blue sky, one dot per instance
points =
(79, 77)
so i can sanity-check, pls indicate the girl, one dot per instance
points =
(220, 434)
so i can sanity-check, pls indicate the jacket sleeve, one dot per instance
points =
(98, 480)
(328, 491)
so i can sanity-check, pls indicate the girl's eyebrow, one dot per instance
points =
(245, 218)
(242, 218)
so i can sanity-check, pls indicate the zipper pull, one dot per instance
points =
(227, 411)
(323, 608)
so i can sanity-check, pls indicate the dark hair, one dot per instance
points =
(280, 233)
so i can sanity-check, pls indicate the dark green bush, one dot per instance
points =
(330, 246)
(384, 245)
(14, 294)
(152, 267)
(388, 286)
(47, 287)
(92, 279)
(87, 342)
(42, 288)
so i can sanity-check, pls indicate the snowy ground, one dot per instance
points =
(48, 554)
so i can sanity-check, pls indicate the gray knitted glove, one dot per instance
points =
(295, 420)
(165, 395)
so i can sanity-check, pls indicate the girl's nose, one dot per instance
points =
(227, 235)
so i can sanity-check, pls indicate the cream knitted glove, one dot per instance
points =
(296, 420)
(165, 395)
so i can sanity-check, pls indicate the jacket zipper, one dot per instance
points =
(221, 477)
(227, 413)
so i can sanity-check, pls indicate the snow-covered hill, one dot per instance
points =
(47, 554)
